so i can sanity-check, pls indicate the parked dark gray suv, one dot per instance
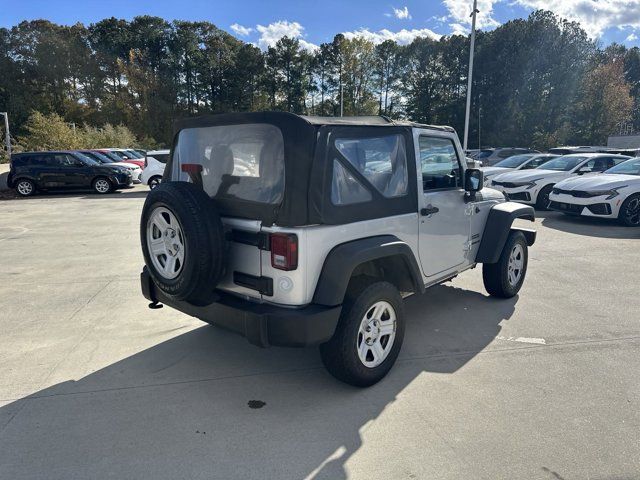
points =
(32, 171)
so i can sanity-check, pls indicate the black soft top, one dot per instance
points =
(307, 176)
(292, 118)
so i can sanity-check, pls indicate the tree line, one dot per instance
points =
(539, 81)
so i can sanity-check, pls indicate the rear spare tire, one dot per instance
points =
(182, 241)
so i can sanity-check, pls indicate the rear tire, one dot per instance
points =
(630, 211)
(368, 337)
(542, 202)
(504, 278)
(25, 187)
(102, 185)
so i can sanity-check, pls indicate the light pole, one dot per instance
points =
(6, 129)
(470, 76)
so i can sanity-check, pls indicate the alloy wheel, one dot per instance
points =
(25, 188)
(102, 185)
(516, 265)
(632, 211)
(376, 334)
(166, 244)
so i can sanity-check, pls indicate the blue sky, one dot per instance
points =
(263, 21)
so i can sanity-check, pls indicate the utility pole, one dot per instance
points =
(6, 129)
(479, 117)
(470, 76)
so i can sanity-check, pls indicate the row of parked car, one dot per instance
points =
(602, 185)
(102, 170)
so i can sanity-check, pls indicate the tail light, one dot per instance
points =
(284, 251)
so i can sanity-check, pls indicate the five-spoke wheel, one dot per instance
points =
(166, 243)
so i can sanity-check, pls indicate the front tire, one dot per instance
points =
(542, 202)
(25, 187)
(102, 185)
(630, 211)
(368, 337)
(504, 278)
(154, 181)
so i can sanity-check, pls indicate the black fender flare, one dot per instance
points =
(499, 225)
(13, 179)
(343, 259)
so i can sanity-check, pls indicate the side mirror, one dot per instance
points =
(473, 180)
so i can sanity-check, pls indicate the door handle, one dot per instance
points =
(429, 210)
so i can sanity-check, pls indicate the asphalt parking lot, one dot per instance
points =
(93, 384)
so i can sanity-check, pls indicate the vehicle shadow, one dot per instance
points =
(592, 227)
(123, 194)
(190, 407)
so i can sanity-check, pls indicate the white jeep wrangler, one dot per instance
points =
(297, 231)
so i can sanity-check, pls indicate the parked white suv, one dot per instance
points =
(299, 231)
(154, 163)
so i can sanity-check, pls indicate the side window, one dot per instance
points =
(535, 163)
(613, 161)
(599, 164)
(345, 188)
(382, 161)
(440, 164)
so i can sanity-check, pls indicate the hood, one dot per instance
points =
(490, 171)
(603, 181)
(112, 167)
(127, 165)
(528, 175)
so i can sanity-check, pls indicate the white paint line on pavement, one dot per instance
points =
(537, 341)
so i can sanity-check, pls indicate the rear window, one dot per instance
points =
(244, 162)
(20, 160)
(160, 157)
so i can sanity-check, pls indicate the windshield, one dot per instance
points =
(244, 162)
(100, 157)
(630, 167)
(111, 155)
(513, 162)
(134, 154)
(563, 164)
(86, 159)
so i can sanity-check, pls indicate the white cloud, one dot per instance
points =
(240, 30)
(595, 16)
(459, 29)
(273, 32)
(632, 37)
(401, 13)
(460, 14)
(403, 37)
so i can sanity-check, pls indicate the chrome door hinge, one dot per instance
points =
(467, 245)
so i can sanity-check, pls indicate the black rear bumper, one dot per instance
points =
(262, 324)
